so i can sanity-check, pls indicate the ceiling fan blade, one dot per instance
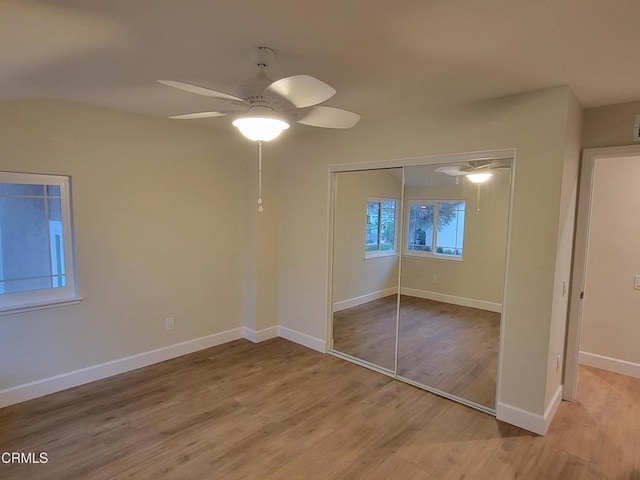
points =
(452, 170)
(189, 116)
(207, 92)
(302, 90)
(329, 117)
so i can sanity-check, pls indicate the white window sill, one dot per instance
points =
(40, 306)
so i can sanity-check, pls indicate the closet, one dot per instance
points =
(418, 252)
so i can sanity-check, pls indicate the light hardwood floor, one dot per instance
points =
(444, 346)
(277, 410)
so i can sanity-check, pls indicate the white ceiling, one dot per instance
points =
(383, 57)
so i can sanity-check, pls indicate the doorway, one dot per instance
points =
(605, 297)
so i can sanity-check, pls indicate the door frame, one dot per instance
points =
(580, 252)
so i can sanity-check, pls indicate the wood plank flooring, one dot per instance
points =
(277, 410)
(444, 346)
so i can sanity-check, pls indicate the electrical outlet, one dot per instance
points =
(558, 364)
(168, 323)
(434, 279)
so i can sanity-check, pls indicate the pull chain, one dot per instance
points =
(260, 207)
(478, 200)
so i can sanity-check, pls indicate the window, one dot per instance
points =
(36, 254)
(446, 240)
(380, 237)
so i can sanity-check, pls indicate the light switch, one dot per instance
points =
(636, 282)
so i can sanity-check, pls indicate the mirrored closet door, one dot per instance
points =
(366, 254)
(418, 270)
(453, 264)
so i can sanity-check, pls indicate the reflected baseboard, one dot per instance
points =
(462, 301)
(414, 292)
(362, 299)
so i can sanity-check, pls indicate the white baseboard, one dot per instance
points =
(257, 336)
(362, 299)
(614, 365)
(39, 388)
(532, 422)
(552, 408)
(57, 383)
(303, 339)
(462, 301)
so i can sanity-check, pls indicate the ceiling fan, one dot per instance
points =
(263, 108)
(477, 171)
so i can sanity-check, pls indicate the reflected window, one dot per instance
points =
(380, 238)
(36, 265)
(446, 239)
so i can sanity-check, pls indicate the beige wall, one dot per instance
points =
(260, 299)
(158, 229)
(480, 276)
(610, 324)
(566, 224)
(609, 126)
(353, 274)
(534, 123)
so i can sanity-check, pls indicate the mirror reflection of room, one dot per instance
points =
(445, 229)
(366, 264)
(453, 261)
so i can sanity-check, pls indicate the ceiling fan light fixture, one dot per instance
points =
(260, 124)
(479, 177)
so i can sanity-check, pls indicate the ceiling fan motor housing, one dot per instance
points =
(252, 90)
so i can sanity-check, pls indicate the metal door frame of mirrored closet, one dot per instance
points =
(501, 154)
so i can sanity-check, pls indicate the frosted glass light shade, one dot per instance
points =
(260, 128)
(479, 177)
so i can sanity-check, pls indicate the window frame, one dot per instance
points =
(436, 207)
(47, 297)
(368, 254)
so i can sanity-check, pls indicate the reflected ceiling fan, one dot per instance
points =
(263, 108)
(477, 171)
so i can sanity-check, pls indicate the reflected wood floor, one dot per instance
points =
(448, 347)
(368, 331)
(277, 410)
